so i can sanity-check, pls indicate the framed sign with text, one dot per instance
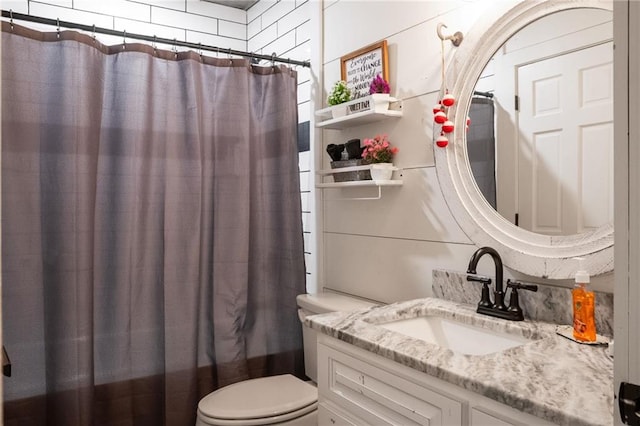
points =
(359, 68)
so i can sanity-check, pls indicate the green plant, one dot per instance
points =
(339, 93)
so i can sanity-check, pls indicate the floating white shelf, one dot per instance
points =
(354, 183)
(357, 183)
(359, 111)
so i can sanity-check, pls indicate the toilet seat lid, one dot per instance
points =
(259, 398)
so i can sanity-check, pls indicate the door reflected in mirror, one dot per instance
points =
(540, 143)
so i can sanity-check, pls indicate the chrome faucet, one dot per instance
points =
(497, 308)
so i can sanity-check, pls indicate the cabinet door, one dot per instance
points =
(379, 397)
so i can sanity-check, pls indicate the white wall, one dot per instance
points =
(386, 249)
(627, 191)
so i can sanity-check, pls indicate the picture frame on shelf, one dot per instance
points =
(360, 67)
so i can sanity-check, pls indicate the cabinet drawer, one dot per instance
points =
(380, 397)
(479, 418)
(490, 413)
(330, 415)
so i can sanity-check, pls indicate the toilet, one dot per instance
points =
(277, 400)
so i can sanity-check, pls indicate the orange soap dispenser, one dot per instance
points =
(584, 324)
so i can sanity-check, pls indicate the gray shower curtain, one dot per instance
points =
(151, 229)
(481, 146)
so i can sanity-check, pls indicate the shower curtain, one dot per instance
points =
(481, 147)
(151, 229)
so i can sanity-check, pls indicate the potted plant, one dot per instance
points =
(340, 93)
(379, 85)
(379, 90)
(379, 153)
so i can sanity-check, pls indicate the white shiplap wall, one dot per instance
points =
(270, 26)
(386, 249)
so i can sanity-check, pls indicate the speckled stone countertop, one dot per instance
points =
(551, 377)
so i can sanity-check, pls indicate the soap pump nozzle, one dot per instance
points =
(582, 276)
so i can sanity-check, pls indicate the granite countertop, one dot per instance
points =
(550, 377)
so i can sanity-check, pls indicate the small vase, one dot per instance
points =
(338, 111)
(381, 171)
(380, 101)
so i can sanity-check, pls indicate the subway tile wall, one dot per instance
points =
(268, 27)
(184, 20)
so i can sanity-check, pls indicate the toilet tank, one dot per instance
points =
(321, 303)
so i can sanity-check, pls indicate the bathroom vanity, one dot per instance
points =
(371, 373)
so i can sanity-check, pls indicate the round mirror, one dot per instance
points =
(540, 143)
(534, 172)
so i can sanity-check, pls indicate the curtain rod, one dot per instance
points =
(197, 46)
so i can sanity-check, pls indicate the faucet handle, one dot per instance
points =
(485, 298)
(514, 299)
(517, 285)
(479, 279)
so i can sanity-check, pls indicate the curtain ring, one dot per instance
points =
(58, 27)
(124, 39)
(154, 45)
(175, 48)
(11, 18)
(273, 62)
(93, 33)
(229, 55)
(200, 50)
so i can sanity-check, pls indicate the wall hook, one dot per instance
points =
(455, 38)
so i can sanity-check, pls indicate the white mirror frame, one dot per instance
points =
(521, 250)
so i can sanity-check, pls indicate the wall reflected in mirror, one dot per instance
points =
(540, 143)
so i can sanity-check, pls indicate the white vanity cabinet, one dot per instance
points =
(357, 387)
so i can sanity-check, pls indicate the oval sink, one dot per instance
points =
(456, 336)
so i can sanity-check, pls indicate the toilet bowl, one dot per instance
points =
(277, 400)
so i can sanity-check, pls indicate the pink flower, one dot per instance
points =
(379, 85)
(378, 150)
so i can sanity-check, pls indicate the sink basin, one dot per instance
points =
(454, 335)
